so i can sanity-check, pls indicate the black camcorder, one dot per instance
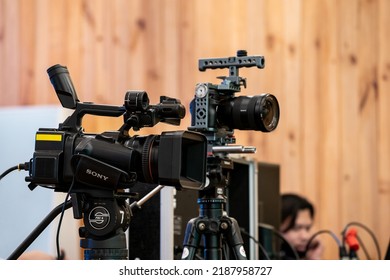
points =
(67, 156)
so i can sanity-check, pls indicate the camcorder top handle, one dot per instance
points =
(66, 93)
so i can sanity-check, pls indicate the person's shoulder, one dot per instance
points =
(36, 255)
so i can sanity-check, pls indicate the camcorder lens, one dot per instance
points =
(147, 147)
(165, 158)
(259, 113)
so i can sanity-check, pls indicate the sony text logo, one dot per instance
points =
(97, 175)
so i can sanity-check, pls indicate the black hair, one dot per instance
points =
(291, 205)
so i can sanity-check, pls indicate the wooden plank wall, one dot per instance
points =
(327, 62)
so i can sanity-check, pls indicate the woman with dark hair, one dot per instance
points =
(297, 220)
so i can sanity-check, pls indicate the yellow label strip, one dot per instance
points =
(48, 137)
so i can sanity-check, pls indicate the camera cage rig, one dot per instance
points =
(216, 112)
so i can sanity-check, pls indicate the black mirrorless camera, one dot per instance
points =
(216, 111)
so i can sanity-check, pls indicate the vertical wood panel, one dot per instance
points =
(186, 55)
(2, 42)
(26, 33)
(291, 55)
(383, 188)
(310, 126)
(349, 63)
(9, 41)
(367, 114)
(42, 48)
(265, 37)
(329, 203)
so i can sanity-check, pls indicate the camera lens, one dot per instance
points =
(147, 148)
(260, 113)
(167, 158)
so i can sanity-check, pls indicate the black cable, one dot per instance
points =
(278, 234)
(5, 173)
(60, 255)
(20, 166)
(26, 166)
(363, 247)
(343, 233)
(262, 249)
(339, 244)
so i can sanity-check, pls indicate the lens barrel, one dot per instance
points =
(259, 113)
(174, 158)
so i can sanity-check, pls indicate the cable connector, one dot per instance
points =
(24, 166)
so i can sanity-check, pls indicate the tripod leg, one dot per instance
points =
(234, 238)
(191, 240)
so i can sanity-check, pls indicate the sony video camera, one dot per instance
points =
(113, 160)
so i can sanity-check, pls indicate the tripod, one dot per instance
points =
(213, 223)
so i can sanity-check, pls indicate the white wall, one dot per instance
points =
(22, 209)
